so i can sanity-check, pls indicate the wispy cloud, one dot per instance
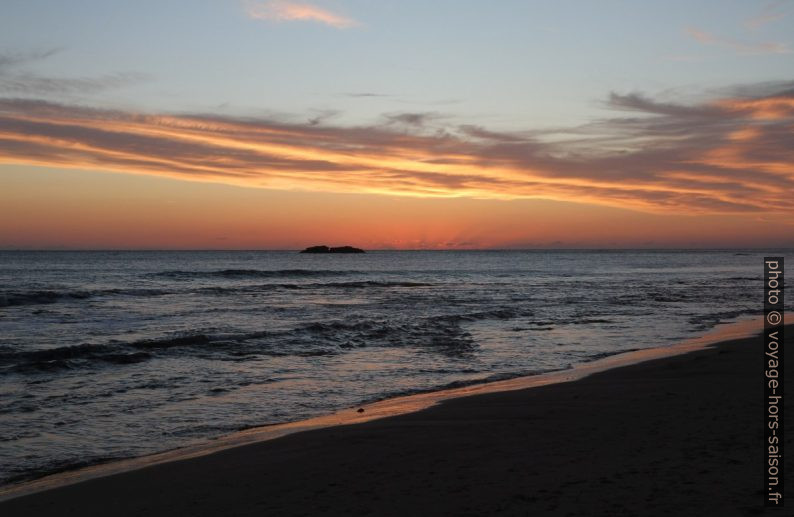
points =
(15, 79)
(358, 95)
(279, 10)
(13, 59)
(741, 47)
(34, 84)
(322, 115)
(416, 120)
(728, 155)
(771, 12)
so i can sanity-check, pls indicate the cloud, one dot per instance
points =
(356, 95)
(12, 59)
(741, 47)
(14, 81)
(760, 89)
(321, 116)
(412, 119)
(762, 19)
(26, 83)
(282, 11)
(732, 154)
(770, 13)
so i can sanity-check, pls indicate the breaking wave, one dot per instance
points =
(442, 334)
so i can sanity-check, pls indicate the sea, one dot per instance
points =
(114, 354)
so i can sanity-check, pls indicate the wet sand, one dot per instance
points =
(674, 436)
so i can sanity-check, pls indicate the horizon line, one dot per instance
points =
(290, 250)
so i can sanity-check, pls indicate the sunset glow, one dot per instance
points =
(724, 155)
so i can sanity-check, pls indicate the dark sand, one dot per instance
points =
(676, 436)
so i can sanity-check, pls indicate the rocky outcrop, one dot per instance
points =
(326, 249)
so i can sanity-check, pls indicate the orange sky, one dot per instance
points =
(281, 124)
(49, 208)
(715, 174)
(726, 156)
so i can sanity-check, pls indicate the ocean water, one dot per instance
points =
(108, 355)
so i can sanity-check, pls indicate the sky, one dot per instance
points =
(248, 124)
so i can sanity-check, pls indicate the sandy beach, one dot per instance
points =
(673, 436)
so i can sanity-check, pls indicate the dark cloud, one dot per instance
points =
(322, 115)
(412, 119)
(639, 103)
(756, 90)
(494, 136)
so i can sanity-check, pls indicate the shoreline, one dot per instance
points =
(391, 407)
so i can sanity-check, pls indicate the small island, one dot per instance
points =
(326, 249)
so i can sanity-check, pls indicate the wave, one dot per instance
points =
(12, 298)
(318, 285)
(50, 296)
(217, 346)
(251, 273)
(373, 283)
(493, 314)
(588, 321)
(494, 377)
(709, 320)
(68, 357)
(442, 334)
(41, 297)
(196, 340)
(445, 334)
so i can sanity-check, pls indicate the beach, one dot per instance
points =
(342, 258)
(673, 436)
